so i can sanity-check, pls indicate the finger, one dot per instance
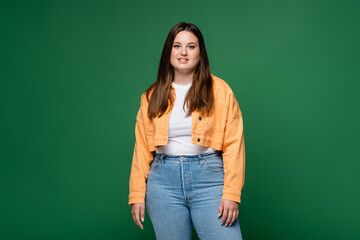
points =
(139, 223)
(133, 216)
(225, 214)
(220, 210)
(142, 213)
(229, 218)
(233, 218)
(137, 220)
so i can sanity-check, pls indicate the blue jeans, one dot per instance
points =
(184, 190)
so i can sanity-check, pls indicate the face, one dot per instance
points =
(185, 53)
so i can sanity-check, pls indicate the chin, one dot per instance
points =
(186, 68)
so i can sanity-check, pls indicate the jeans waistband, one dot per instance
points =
(194, 157)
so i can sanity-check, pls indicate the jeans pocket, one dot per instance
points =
(214, 165)
(155, 164)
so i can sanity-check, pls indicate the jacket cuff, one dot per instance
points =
(232, 196)
(136, 200)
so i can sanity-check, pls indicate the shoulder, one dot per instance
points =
(220, 84)
(225, 95)
(222, 89)
(143, 100)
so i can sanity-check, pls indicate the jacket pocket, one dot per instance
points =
(212, 124)
(217, 120)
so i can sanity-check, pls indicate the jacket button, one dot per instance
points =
(198, 139)
(200, 118)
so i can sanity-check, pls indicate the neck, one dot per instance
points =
(183, 78)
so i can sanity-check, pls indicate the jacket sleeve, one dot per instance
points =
(141, 160)
(233, 152)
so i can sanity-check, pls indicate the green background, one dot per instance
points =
(71, 77)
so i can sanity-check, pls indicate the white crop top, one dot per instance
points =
(179, 132)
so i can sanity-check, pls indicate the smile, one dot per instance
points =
(183, 60)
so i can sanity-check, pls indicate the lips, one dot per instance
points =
(183, 60)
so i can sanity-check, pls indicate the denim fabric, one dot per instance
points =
(184, 190)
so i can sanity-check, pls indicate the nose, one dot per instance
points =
(183, 51)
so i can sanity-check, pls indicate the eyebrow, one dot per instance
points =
(188, 43)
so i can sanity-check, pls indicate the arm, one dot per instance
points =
(142, 158)
(234, 163)
(233, 152)
(140, 168)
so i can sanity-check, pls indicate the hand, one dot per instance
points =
(229, 211)
(138, 209)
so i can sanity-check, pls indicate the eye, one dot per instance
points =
(192, 46)
(176, 46)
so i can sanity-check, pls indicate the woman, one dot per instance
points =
(189, 155)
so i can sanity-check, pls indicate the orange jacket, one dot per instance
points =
(222, 130)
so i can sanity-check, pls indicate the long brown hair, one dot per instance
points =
(200, 95)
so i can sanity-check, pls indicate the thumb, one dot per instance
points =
(220, 209)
